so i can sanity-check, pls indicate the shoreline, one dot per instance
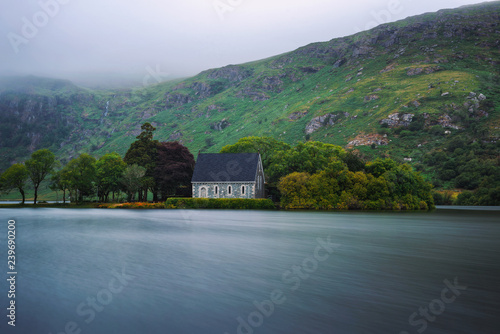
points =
(162, 206)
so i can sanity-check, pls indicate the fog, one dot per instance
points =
(143, 42)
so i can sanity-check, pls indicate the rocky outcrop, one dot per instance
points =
(446, 122)
(201, 89)
(362, 50)
(318, 122)
(339, 63)
(297, 115)
(252, 93)
(31, 121)
(232, 73)
(176, 99)
(368, 139)
(397, 119)
(273, 83)
(219, 126)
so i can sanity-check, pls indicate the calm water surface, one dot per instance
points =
(158, 271)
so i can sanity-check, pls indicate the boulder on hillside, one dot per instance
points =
(318, 122)
(397, 119)
(219, 126)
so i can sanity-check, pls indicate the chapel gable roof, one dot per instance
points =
(226, 167)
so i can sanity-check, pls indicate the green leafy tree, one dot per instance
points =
(132, 179)
(353, 162)
(15, 177)
(380, 166)
(143, 153)
(310, 157)
(109, 169)
(296, 191)
(41, 164)
(81, 175)
(60, 181)
(267, 147)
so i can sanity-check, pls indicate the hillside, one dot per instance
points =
(400, 90)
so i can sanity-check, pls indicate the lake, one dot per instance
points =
(166, 271)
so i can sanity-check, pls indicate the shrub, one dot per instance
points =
(220, 203)
(136, 205)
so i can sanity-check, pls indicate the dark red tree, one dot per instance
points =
(174, 168)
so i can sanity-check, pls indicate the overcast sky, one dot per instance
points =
(154, 39)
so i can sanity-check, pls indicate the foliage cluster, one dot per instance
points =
(384, 185)
(14, 177)
(469, 165)
(36, 168)
(315, 175)
(168, 166)
(148, 165)
(220, 203)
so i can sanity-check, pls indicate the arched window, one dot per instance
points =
(203, 192)
(229, 190)
(216, 190)
(243, 190)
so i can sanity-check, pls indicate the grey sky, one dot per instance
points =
(64, 38)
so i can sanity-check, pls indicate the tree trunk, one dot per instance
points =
(22, 194)
(36, 194)
(64, 196)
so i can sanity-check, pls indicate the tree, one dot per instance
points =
(267, 147)
(143, 153)
(131, 179)
(295, 191)
(353, 161)
(41, 164)
(380, 166)
(174, 168)
(310, 157)
(60, 181)
(80, 173)
(109, 170)
(15, 178)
